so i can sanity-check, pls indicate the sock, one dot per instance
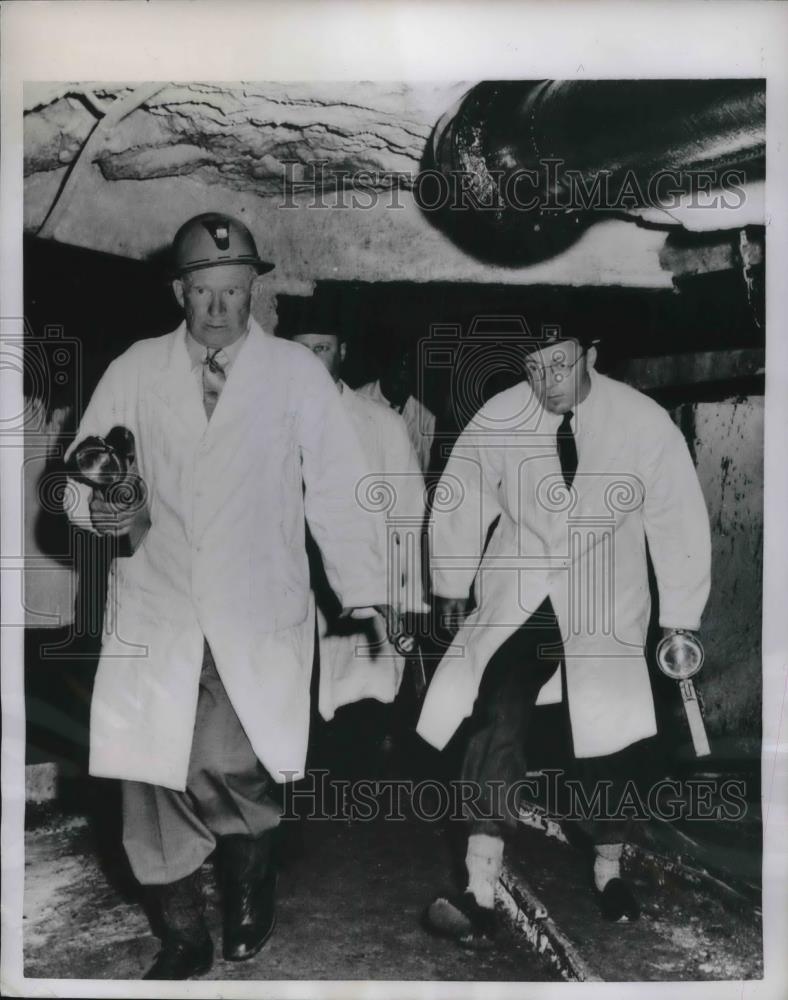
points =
(607, 863)
(484, 861)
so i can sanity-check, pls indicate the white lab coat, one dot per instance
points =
(356, 659)
(419, 420)
(225, 555)
(585, 550)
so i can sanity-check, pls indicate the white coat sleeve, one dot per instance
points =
(107, 408)
(464, 506)
(677, 528)
(404, 471)
(334, 471)
(427, 438)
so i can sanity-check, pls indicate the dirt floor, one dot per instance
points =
(349, 909)
(351, 896)
(684, 932)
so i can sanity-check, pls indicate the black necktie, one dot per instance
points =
(567, 449)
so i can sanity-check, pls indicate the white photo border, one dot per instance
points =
(402, 41)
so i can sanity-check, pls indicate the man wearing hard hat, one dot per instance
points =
(201, 698)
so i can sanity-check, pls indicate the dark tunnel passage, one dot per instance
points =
(697, 349)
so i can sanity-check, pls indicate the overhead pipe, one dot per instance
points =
(529, 164)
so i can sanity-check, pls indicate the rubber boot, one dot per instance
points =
(187, 949)
(249, 888)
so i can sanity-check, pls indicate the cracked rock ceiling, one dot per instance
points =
(124, 165)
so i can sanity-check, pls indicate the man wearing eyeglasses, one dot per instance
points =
(582, 472)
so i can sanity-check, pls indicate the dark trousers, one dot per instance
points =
(494, 756)
(168, 834)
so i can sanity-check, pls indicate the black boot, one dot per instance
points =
(618, 901)
(249, 895)
(187, 949)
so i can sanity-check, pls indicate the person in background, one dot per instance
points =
(396, 389)
(359, 665)
(582, 472)
(201, 700)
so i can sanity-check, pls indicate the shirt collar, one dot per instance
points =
(196, 350)
(591, 397)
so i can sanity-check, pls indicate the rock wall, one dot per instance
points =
(727, 440)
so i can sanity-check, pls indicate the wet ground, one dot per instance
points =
(351, 896)
(349, 908)
(684, 933)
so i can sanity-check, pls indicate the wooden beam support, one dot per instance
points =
(690, 369)
(723, 254)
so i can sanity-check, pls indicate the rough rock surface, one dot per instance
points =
(243, 136)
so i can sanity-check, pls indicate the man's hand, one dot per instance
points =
(682, 656)
(451, 612)
(392, 621)
(669, 631)
(110, 519)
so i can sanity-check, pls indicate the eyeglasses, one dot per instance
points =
(537, 372)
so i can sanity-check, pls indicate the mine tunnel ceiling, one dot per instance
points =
(118, 167)
(246, 138)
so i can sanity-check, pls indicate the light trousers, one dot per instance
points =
(168, 834)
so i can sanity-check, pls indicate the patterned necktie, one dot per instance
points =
(567, 449)
(213, 377)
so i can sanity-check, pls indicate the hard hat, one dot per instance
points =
(213, 239)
